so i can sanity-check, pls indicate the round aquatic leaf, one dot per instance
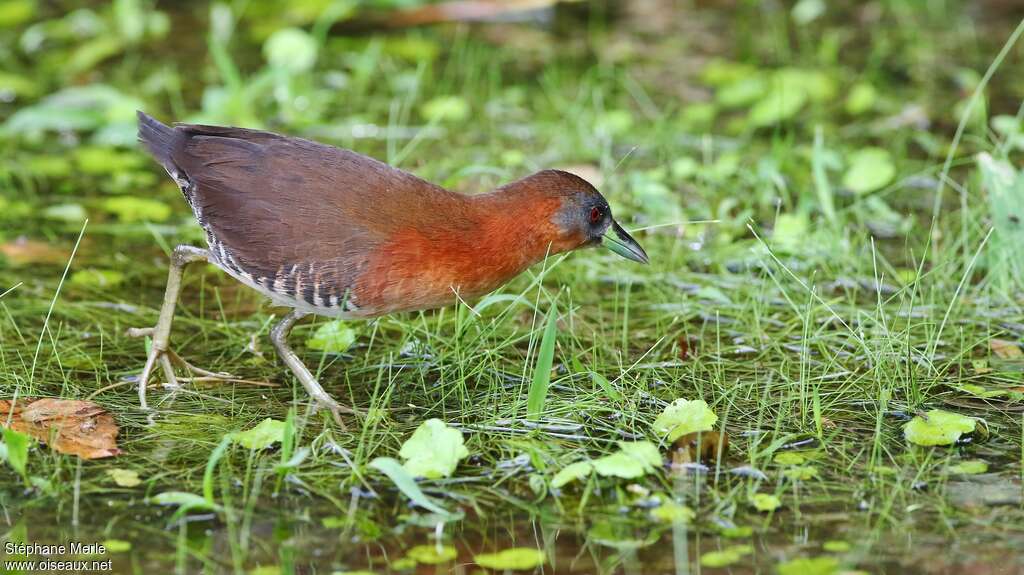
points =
(810, 566)
(972, 467)
(634, 459)
(801, 472)
(291, 49)
(332, 337)
(765, 502)
(446, 109)
(515, 559)
(97, 278)
(671, 512)
(433, 451)
(432, 554)
(739, 532)
(836, 546)
(130, 210)
(725, 557)
(572, 472)
(124, 477)
(684, 416)
(789, 458)
(619, 465)
(643, 451)
(266, 433)
(870, 169)
(937, 427)
(117, 545)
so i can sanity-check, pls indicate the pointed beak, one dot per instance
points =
(619, 241)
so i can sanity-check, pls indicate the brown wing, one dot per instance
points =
(278, 203)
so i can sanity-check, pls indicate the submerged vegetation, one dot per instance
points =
(820, 371)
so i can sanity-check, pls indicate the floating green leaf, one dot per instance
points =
(800, 472)
(937, 427)
(96, 278)
(836, 546)
(405, 483)
(117, 545)
(634, 459)
(810, 566)
(870, 169)
(515, 559)
(572, 472)
(684, 416)
(263, 435)
(739, 532)
(130, 209)
(619, 465)
(725, 557)
(124, 477)
(332, 337)
(433, 451)
(970, 467)
(185, 501)
(432, 554)
(670, 512)
(789, 458)
(765, 502)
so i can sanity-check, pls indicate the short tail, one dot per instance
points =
(160, 140)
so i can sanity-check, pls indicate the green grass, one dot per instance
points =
(812, 319)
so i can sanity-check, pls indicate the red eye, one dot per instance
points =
(595, 215)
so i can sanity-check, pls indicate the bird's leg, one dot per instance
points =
(160, 351)
(279, 337)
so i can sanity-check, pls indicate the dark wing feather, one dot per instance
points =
(277, 202)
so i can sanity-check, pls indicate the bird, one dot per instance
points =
(331, 232)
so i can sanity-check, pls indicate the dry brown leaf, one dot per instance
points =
(699, 446)
(22, 251)
(69, 426)
(1005, 349)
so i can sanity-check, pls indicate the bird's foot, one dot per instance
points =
(168, 359)
(330, 404)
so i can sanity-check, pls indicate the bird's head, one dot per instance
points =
(579, 214)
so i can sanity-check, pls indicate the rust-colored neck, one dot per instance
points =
(484, 243)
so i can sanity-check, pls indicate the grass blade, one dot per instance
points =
(406, 484)
(542, 370)
(211, 465)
